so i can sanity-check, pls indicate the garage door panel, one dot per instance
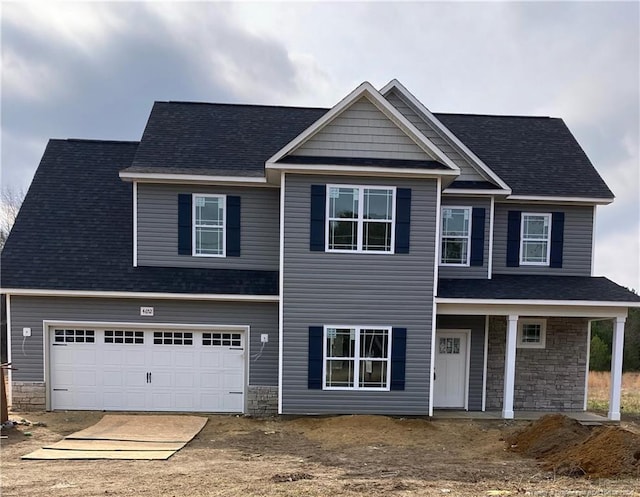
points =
(160, 370)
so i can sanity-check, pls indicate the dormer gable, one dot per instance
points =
(363, 131)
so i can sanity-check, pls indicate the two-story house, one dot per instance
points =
(369, 258)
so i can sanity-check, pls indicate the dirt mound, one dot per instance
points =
(609, 451)
(568, 448)
(548, 435)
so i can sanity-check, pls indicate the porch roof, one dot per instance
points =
(537, 287)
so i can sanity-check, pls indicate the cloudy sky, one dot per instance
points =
(93, 70)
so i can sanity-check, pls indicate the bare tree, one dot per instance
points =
(10, 203)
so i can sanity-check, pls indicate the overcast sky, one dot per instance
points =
(93, 70)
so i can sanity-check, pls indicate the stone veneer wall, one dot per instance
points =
(546, 379)
(28, 396)
(262, 401)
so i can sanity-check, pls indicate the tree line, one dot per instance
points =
(602, 338)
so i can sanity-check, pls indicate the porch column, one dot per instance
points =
(510, 367)
(616, 368)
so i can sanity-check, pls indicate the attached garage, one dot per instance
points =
(123, 368)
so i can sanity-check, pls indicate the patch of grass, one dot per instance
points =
(598, 399)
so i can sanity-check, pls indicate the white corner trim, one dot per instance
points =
(192, 178)
(383, 105)
(486, 362)
(593, 244)
(281, 292)
(427, 115)
(140, 295)
(434, 313)
(9, 353)
(135, 224)
(586, 375)
(559, 199)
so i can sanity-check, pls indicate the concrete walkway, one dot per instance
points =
(584, 417)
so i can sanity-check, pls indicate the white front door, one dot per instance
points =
(451, 364)
(141, 370)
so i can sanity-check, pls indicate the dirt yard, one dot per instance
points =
(345, 456)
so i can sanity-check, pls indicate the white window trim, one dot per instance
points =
(356, 358)
(360, 220)
(546, 215)
(194, 253)
(543, 334)
(442, 237)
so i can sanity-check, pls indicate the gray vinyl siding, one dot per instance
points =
(577, 246)
(476, 357)
(470, 271)
(158, 227)
(362, 130)
(357, 289)
(467, 171)
(27, 354)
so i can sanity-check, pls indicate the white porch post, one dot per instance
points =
(616, 369)
(510, 367)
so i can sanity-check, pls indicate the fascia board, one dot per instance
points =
(192, 178)
(139, 295)
(368, 91)
(357, 170)
(471, 191)
(539, 302)
(558, 199)
(419, 106)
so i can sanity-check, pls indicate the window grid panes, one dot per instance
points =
(535, 241)
(172, 338)
(357, 358)
(208, 224)
(222, 339)
(531, 333)
(74, 336)
(360, 218)
(121, 336)
(455, 235)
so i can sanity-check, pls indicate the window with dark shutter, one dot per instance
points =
(557, 238)
(403, 220)
(233, 226)
(477, 236)
(318, 212)
(513, 238)
(398, 358)
(315, 357)
(184, 223)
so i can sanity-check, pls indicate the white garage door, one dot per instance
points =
(116, 369)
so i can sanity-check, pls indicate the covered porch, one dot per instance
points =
(523, 376)
(584, 417)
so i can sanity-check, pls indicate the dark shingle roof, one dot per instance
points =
(74, 229)
(221, 139)
(533, 155)
(536, 287)
(363, 161)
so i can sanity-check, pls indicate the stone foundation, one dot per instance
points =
(28, 396)
(262, 401)
(549, 379)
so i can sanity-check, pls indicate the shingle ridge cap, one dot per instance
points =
(508, 116)
(228, 104)
(93, 140)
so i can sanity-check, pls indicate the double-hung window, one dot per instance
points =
(360, 219)
(455, 236)
(209, 225)
(535, 239)
(357, 358)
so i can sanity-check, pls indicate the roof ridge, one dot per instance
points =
(493, 115)
(187, 102)
(93, 140)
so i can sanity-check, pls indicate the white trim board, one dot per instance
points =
(557, 199)
(140, 295)
(200, 179)
(281, 291)
(591, 312)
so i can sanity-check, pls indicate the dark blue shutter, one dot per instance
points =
(318, 209)
(398, 357)
(233, 226)
(513, 238)
(557, 238)
(403, 220)
(477, 236)
(184, 223)
(315, 357)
